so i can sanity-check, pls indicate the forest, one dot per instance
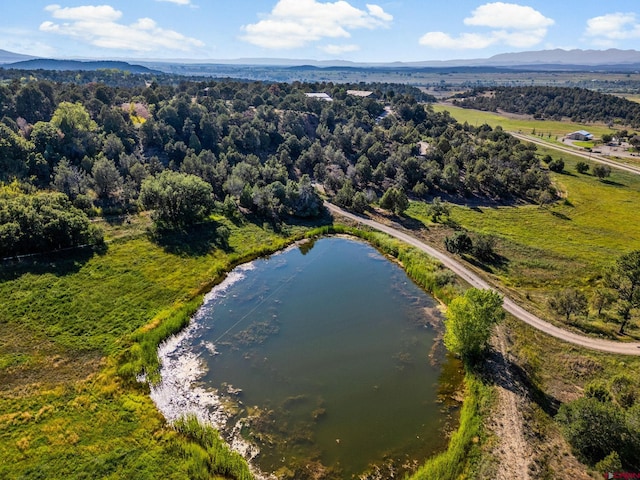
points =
(556, 103)
(236, 146)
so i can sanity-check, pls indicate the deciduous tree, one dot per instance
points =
(569, 301)
(469, 322)
(179, 200)
(624, 278)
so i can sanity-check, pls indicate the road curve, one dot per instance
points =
(509, 305)
(594, 157)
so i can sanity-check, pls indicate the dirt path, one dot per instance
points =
(509, 305)
(512, 452)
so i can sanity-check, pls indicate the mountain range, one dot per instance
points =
(558, 59)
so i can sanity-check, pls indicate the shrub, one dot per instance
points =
(459, 243)
(556, 165)
(582, 167)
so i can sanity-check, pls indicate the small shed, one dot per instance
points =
(581, 135)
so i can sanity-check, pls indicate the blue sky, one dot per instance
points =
(366, 31)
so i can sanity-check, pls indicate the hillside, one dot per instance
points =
(579, 104)
(10, 57)
(52, 64)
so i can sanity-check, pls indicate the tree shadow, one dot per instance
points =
(501, 371)
(60, 263)
(612, 183)
(488, 265)
(196, 241)
(561, 216)
(410, 223)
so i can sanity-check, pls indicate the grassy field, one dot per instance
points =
(549, 128)
(569, 243)
(68, 324)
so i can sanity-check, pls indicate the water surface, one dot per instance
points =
(321, 355)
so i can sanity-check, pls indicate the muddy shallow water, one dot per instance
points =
(316, 363)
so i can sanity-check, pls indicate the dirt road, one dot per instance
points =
(509, 305)
(594, 157)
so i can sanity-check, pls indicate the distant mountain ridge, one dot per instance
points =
(558, 56)
(537, 60)
(52, 64)
(10, 57)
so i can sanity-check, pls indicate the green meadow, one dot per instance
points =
(569, 243)
(548, 128)
(75, 329)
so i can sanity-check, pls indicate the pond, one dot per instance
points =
(318, 362)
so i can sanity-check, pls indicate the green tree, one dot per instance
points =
(624, 390)
(303, 198)
(437, 209)
(360, 203)
(344, 196)
(606, 137)
(484, 248)
(106, 178)
(71, 118)
(601, 298)
(469, 321)
(459, 243)
(602, 171)
(595, 429)
(569, 301)
(178, 200)
(582, 167)
(624, 278)
(42, 223)
(69, 179)
(14, 151)
(556, 165)
(395, 200)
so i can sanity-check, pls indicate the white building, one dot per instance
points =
(581, 135)
(320, 96)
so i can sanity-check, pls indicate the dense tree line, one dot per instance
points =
(578, 104)
(41, 222)
(259, 147)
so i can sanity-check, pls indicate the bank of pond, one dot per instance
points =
(321, 361)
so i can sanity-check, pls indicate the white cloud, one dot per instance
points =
(508, 16)
(98, 26)
(88, 13)
(513, 25)
(177, 2)
(339, 49)
(606, 30)
(378, 12)
(295, 23)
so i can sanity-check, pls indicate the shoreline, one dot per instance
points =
(179, 394)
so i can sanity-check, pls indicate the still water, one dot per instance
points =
(321, 358)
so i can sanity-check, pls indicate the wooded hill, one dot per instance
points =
(578, 104)
(257, 146)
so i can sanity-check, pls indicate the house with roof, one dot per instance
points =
(360, 93)
(320, 96)
(581, 135)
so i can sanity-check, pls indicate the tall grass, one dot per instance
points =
(77, 328)
(208, 454)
